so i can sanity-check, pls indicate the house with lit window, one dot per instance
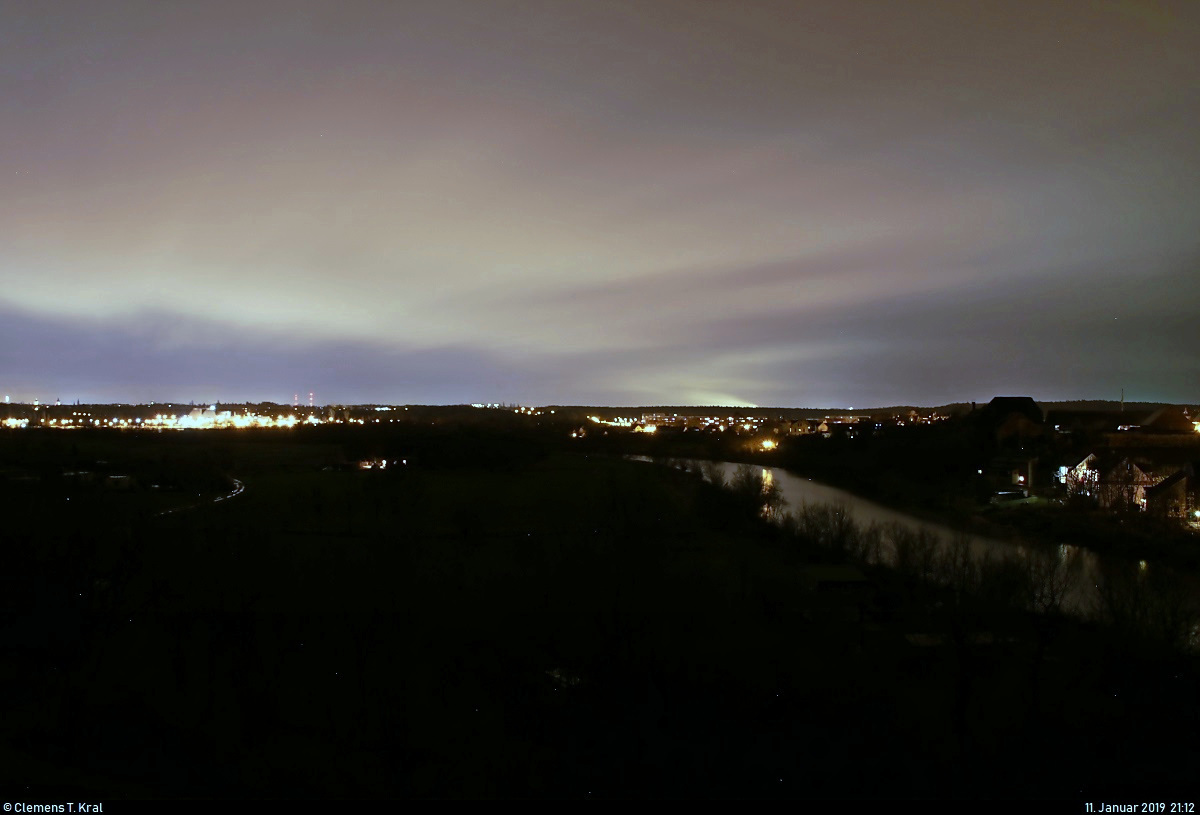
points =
(1123, 486)
(1176, 496)
(1083, 478)
(1011, 474)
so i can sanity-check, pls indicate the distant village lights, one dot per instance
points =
(758, 430)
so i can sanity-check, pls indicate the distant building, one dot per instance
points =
(1170, 419)
(119, 482)
(1001, 407)
(1016, 418)
(1093, 421)
(1123, 486)
(1083, 478)
(1174, 496)
(1012, 473)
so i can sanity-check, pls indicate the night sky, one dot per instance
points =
(801, 203)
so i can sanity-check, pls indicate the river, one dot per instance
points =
(1080, 598)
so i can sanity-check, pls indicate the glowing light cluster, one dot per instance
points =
(211, 419)
(521, 409)
(619, 421)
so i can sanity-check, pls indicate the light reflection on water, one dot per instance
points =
(1080, 597)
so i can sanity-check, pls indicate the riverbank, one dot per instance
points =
(1045, 523)
(933, 474)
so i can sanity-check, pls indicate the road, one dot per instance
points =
(238, 489)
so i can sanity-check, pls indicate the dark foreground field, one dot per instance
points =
(534, 624)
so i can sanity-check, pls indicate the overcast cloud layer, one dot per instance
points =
(801, 203)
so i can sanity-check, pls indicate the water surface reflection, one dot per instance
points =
(1070, 573)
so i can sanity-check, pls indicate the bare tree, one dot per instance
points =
(914, 551)
(830, 526)
(961, 572)
(1148, 607)
(758, 489)
(868, 545)
(960, 569)
(1049, 577)
(713, 473)
(1174, 612)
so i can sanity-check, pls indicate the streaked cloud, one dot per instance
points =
(782, 203)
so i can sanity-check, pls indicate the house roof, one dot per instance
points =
(1110, 470)
(1167, 483)
(1096, 420)
(1001, 407)
(1170, 419)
